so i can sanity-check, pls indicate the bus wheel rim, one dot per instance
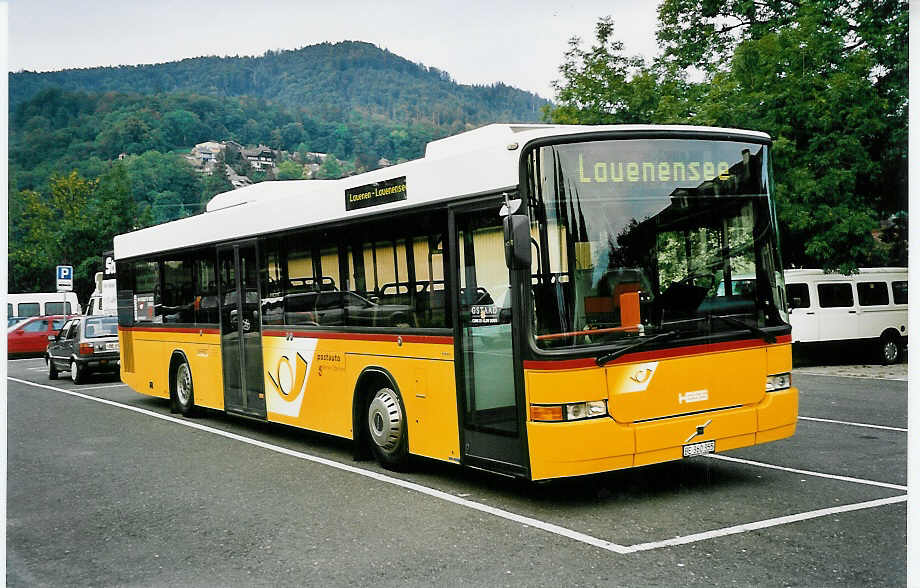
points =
(384, 420)
(183, 384)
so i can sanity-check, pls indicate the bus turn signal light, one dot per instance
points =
(546, 413)
(573, 411)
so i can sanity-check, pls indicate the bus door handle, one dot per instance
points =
(851, 312)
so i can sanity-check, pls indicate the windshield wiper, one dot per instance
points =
(607, 358)
(768, 337)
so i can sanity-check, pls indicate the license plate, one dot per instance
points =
(701, 448)
(111, 346)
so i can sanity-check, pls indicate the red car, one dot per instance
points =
(30, 337)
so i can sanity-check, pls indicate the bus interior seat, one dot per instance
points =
(551, 298)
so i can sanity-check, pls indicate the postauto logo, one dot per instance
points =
(289, 382)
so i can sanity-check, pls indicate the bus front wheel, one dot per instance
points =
(386, 427)
(183, 389)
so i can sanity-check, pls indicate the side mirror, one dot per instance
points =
(517, 241)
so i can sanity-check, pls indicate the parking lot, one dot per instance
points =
(107, 487)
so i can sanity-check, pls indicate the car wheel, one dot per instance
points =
(76, 372)
(386, 428)
(52, 370)
(184, 389)
(889, 349)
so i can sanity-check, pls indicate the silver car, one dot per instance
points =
(84, 344)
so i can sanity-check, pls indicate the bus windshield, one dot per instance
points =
(640, 237)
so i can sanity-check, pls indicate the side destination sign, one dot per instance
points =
(378, 193)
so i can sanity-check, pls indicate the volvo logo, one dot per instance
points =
(700, 430)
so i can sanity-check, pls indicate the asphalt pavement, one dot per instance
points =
(107, 488)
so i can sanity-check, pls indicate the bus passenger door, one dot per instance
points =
(489, 387)
(240, 327)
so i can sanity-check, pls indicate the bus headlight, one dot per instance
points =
(779, 382)
(573, 411)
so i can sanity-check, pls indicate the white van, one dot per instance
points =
(103, 300)
(869, 306)
(42, 304)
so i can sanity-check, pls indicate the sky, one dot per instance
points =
(520, 43)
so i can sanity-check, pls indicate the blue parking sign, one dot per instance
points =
(64, 278)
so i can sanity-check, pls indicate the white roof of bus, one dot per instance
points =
(474, 162)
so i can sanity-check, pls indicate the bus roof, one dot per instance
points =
(475, 162)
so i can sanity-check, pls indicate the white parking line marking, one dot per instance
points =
(868, 426)
(746, 527)
(524, 520)
(808, 473)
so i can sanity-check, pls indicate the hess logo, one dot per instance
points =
(289, 380)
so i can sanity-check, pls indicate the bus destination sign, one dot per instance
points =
(377, 193)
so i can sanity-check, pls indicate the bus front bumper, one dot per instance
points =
(600, 445)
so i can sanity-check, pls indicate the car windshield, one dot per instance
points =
(104, 326)
(641, 236)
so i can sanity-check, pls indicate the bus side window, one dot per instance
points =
(206, 311)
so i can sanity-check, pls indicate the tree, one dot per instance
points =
(822, 79)
(59, 230)
(217, 182)
(290, 170)
(330, 169)
(596, 82)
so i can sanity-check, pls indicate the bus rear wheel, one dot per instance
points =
(386, 427)
(183, 389)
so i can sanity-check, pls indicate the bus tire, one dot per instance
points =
(183, 388)
(52, 369)
(889, 348)
(386, 428)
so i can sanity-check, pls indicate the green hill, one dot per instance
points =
(332, 82)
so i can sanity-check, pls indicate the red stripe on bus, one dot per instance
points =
(568, 364)
(207, 331)
(444, 340)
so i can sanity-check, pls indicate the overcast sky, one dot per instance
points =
(520, 43)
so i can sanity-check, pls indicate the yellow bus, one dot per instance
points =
(540, 301)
